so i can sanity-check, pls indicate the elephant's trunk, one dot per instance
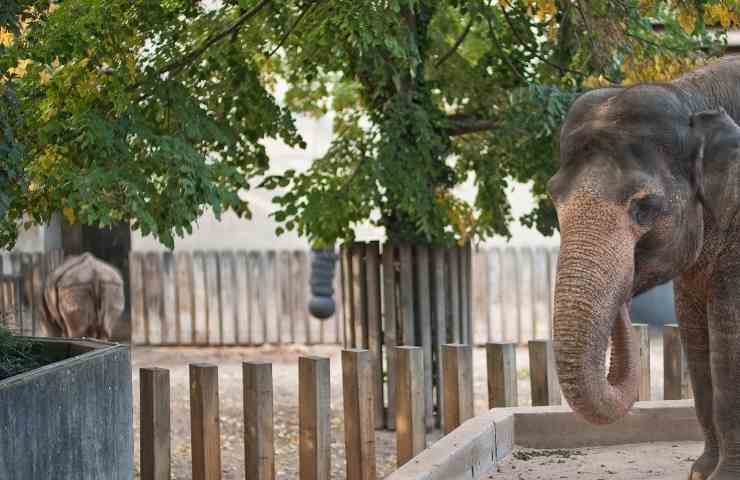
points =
(592, 293)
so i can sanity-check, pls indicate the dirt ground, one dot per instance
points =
(655, 461)
(659, 461)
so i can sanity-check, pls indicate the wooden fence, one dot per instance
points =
(261, 297)
(226, 298)
(22, 277)
(358, 406)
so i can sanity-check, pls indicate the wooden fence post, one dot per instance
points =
(545, 388)
(675, 371)
(410, 426)
(314, 396)
(502, 379)
(374, 320)
(642, 332)
(359, 414)
(457, 405)
(204, 422)
(259, 446)
(155, 423)
(390, 319)
(424, 303)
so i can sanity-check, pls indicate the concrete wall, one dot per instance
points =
(70, 420)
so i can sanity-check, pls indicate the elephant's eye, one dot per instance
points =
(646, 209)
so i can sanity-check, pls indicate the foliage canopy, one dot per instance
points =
(151, 111)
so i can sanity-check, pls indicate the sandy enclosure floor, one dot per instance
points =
(285, 379)
(655, 461)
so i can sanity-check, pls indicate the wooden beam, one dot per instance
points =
(502, 377)
(204, 422)
(410, 426)
(155, 423)
(314, 396)
(359, 414)
(259, 446)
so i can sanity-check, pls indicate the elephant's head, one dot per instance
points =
(630, 207)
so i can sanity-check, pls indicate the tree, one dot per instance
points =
(141, 110)
(151, 111)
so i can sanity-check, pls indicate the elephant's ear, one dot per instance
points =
(704, 129)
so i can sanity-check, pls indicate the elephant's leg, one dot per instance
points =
(692, 317)
(724, 339)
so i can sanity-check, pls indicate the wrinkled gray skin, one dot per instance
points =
(83, 297)
(648, 190)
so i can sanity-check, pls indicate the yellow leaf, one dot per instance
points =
(44, 77)
(687, 20)
(69, 214)
(20, 69)
(6, 38)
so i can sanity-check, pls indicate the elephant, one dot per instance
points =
(647, 191)
(83, 297)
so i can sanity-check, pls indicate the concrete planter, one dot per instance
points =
(72, 419)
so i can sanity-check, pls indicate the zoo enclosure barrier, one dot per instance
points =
(260, 297)
(357, 408)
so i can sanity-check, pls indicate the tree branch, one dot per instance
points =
(464, 124)
(457, 44)
(177, 65)
(290, 30)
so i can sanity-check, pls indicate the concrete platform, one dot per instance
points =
(474, 449)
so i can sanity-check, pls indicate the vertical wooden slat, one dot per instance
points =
(480, 289)
(389, 327)
(458, 406)
(453, 309)
(423, 301)
(465, 330)
(138, 320)
(153, 302)
(26, 305)
(259, 444)
(185, 297)
(338, 319)
(532, 297)
(374, 321)
(439, 320)
(272, 320)
(37, 291)
(171, 333)
(261, 292)
(300, 297)
(502, 380)
(243, 297)
(676, 383)
(200, 298)
(519, 296)
(204, 422)
(642, 333)
(213, 286)
(407, 321)
(410, 425)
(359, 295)
(227, 283)
(345, 266)
(543, 376)
(286, 298)
(313, 411)
(155, 423)
(359, 385)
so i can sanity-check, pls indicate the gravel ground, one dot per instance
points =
(632, 461)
